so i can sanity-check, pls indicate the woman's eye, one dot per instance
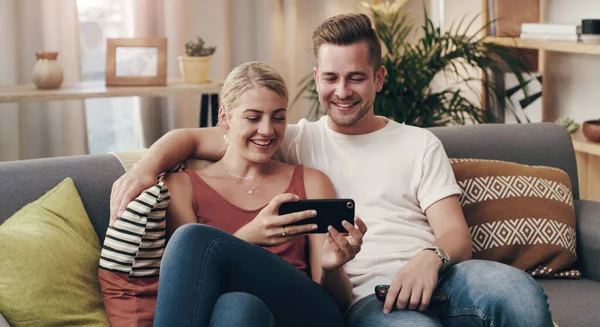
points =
(253, 118)
(279, 118)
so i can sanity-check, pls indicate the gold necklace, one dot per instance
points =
(238, 183)
(250, 191)
(238, 176)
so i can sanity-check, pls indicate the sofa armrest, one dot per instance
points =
(588, 238)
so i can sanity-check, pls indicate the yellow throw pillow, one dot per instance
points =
(49, 255)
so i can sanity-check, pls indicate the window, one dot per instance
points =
(110, 121)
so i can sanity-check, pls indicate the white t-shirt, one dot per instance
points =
(393, 174)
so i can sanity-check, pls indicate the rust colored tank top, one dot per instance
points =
(213, 210)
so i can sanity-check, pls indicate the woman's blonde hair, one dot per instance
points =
(248, 76)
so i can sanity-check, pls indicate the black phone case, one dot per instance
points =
(330, 212)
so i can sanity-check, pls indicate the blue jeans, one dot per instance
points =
(480, 293)
(241, 309)
(201, 268)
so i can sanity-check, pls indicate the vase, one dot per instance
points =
(194, 70)
(47, 73)
(591, 130)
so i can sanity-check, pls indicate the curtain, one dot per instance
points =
(40, 129)
(277, 32)
(274, 31)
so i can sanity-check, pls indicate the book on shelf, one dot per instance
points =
(546, 28)
(550, 37)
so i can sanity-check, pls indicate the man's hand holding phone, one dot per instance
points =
(339, 248)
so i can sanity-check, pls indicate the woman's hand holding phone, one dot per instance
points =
(267, 228)
(340, 248)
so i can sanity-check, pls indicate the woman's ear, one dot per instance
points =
(223, 119)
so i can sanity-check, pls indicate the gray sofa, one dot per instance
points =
(572, 302)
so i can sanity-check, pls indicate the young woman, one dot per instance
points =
(230, 260)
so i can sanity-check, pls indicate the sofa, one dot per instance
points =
(573, 302)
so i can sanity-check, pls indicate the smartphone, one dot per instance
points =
(330, 212)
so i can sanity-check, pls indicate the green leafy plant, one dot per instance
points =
(407, 95)
(197, 49)
(568, 123)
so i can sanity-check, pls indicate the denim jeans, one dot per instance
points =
(202, 265)
(480, 293)
(241, 309)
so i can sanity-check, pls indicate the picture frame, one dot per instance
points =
(139, 61)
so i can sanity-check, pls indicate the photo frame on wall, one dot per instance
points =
(136, 61)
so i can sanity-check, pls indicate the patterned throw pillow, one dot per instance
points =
(519, 215)
(132, 252)
(130, 259)
(133, 249)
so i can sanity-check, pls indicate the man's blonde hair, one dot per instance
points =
(347, 29)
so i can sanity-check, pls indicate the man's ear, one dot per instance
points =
(316, 77)
(380, 77)
(223, 119)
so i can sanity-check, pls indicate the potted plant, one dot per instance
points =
(407, 95)
(195, 67)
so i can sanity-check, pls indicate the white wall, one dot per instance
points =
(573, 78)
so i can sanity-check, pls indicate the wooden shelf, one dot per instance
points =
(559, 46)
(582, 145)
(27, 93)
(588, 161)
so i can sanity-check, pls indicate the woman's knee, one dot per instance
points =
(189, 242)
(195, 235)
(241, 309)
(193, 231)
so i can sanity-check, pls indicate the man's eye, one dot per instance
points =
(279, 118)
(357, 80)
(330, 79)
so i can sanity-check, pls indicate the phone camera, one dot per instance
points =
(350, 205)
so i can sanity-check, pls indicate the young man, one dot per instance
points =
(404, 188)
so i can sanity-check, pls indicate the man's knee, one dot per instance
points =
(498, 279)
(368, 312)
(502, 291)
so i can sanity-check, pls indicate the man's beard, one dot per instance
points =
(349, 120)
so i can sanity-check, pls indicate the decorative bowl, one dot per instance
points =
(591, 130)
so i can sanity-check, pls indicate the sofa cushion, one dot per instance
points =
(573, 302)
(520, 215)
(49, 254)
